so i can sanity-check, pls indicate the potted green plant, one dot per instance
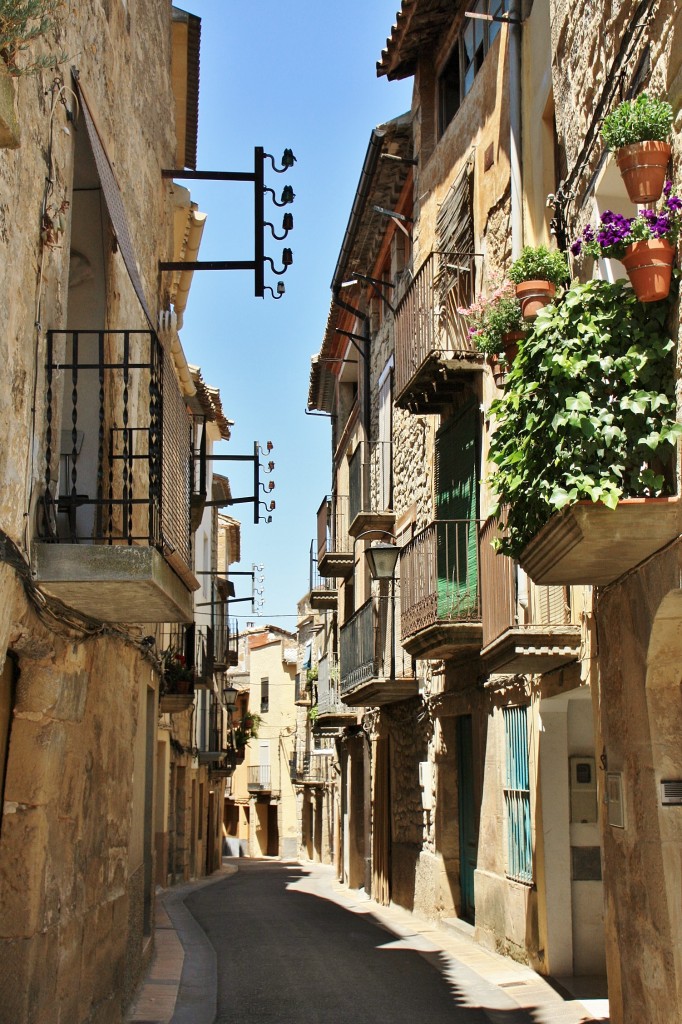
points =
(178, 676)
(537, 273)
(638, 132)
(496, 323)
(644, 244)
(588, 414)
(21, 21)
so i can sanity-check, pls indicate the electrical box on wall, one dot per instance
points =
(583, 789)
(426, 783)
(614, 799)
(671, 792)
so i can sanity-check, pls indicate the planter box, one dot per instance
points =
(588, 543)
(9, 126)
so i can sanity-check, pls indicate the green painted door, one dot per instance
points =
(468, 836)
(456, 512)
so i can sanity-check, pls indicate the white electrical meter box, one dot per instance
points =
(426, 783)
(583, 789)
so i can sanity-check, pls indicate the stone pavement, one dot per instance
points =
(182, 982)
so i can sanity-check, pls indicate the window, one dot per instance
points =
(466, 58)
(264, 695)
(517, 795)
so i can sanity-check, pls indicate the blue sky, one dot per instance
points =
(299, 75)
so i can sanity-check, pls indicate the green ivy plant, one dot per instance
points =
(588, 410)
(538, 263)
(645, 119)
(21, 22)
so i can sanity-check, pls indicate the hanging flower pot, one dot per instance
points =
(510, 344)
(642, 167)
(498, 366)
(649, 266)
(533, 295)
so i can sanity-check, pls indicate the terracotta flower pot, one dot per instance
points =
(510, 345)
(649, 266)
(642, 167)
(499, 369)
(533, 295)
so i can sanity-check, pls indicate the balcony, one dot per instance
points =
(308, 769)
(433, 350)
(323, 593)
(334, 544)
(439, 586)
(371, 491)
(303, 690)
(548, 639)
(114, 516)
(374, 668)
(588, 543)
(258, 780)
(329, 703)
(212, 739)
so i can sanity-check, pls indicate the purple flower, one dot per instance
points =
(588, 233)
(674, 203)
(576, 247)
(667, 187)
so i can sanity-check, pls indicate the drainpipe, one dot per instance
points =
(515, 129)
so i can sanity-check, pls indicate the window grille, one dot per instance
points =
(517, 795)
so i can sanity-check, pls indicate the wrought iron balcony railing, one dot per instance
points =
(308, 768)
(329, 687)
(258, 780)
(369, 650)
(117, 455)
(334, 543)
(323, 592)
(439, 586)
(527, 628)
(432, 341)
(371, 486)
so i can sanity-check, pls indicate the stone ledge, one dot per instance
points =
(9, 126)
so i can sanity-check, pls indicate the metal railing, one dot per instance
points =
(439, 576)
(258, 777)
(427, 321)
(117, 443)
(332, 526)
(498, 585)
(329, 686)
(370, 478)
(307, 767)
(368, 644)
(316, 581)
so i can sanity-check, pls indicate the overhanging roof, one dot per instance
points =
(381, 182)
(418, 24)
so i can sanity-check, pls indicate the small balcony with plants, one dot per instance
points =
(440, 590)
(435, 354)
(178, 672)
(585, 436)
(370, 478)
(526, 629)
(114, 512)
(306, 680)
(374, 667)
(334, 543)
(309, 768)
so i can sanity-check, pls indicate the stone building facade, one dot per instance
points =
(489, 671)
(98, 414)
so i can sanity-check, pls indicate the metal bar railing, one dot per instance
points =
(259, 776)
(427, 320)
(329, 686)
(357, 648)
(498, 585)
(439, 576)
(370, 474)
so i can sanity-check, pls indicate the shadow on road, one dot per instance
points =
(288, 953)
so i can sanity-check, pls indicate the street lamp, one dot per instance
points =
(229, 698)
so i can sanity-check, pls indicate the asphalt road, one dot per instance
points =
(288, 955)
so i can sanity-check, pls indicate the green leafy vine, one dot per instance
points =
(588, 411)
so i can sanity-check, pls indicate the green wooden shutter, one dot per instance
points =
(456, 512)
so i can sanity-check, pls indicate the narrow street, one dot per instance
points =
(292, 947)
